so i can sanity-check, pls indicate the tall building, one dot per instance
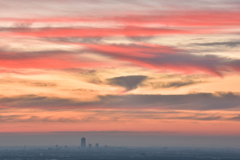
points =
(65, 146)
(96, 145)
(83, 142)
(90, 145)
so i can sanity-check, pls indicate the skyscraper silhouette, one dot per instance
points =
(96, 145)
(83, 142)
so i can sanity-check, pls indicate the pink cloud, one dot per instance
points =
(43, 61)
(167, 58)
(175, 18)
(93, 32)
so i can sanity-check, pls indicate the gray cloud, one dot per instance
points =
(166, 115)
(227, 44)
(207, 118)
(32, 55)
(174, 84)
(199, 101)
(178, 84)
(119, 115)
(24, 119)
(128, 82)
(39, 83)
(9, 118)
(236, 118)
(36, 101)
(89, 40)
(140, 39)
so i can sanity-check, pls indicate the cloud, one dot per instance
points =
(93, 32)
(156, 57)
(113, 116)
(173, 84)
(236, 118)
(227, 44)
(207, 118)
(53, 59)
(35, 101)
(184, 18)
(37, 83)
(4, 55)
(170, 17)
(168, 58)
(9, 118)
(42, 84)
(178, 84)
(140, 39)
(21, 71)
(91, 40)
(156, 115)
(200, 101)
(50, 119)
(48, 63)
(128, 82)
(164, 58)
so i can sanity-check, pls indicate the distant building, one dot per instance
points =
(105, 146)
(90, 145)
(65, 146)
(83, 142)
(96, 145)
(25, 147)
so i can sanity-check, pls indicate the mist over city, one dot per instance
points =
(117, 145)
(94, 151)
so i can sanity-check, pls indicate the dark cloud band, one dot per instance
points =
(200, 101)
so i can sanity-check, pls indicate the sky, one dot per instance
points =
(125, 66)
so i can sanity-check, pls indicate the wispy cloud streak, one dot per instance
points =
(200, 101)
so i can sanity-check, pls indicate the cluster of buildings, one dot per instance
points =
(84, 144)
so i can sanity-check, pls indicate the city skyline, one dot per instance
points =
(124, 70)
